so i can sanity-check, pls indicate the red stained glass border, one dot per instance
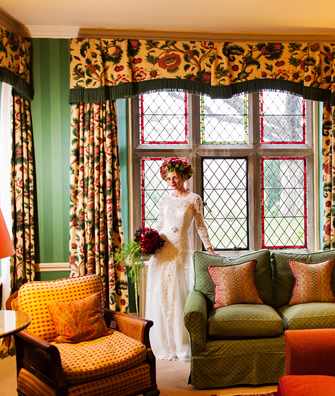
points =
(141, 116)
(143, 187)
(261, 124)
(305, 202)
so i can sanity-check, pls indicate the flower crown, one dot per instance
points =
(179, 165)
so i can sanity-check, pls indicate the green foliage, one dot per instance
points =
(130, 255)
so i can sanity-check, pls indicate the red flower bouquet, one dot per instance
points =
(149, 240)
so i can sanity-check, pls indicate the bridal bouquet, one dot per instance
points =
(146, 241)
(149, 240)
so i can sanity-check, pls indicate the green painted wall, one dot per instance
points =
(121, 108)
(52, 275)
(51, 126)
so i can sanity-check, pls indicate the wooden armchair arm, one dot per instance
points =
(40, 358)
(130, 325)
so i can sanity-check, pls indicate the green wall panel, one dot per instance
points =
(52, 275)
(51, 126)
(121, 109)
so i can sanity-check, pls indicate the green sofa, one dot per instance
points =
(243, 344)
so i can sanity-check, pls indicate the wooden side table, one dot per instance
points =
(12, 322)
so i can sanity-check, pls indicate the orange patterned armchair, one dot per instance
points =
(119, 363)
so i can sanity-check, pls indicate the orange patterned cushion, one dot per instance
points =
(34, 298)
(94, 359)
(79, 320)
(312, 282)
(235, 284)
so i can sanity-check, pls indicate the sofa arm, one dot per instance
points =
(195, 319)
(130, 325)
(310, 351)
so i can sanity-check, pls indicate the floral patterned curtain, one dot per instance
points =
(23, 189)
(95, 216)
(103, 69)
(15, 62)
(116, 68)
(328, 168)
(15, 69)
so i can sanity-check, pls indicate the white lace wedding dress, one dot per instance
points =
(170, 275)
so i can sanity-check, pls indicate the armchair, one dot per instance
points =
(309, 363)
(120, 363)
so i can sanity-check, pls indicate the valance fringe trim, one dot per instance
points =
(96, 95)
(20, 86)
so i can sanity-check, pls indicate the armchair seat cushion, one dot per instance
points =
(244, 320)
(101, 357)
(309, 315)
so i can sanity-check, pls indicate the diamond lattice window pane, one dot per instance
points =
(163, 118)
(225, 202)
(282, 117)
(152, 189)
(224, 121)
(284, 197)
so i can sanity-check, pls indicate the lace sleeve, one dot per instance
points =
(200, 223)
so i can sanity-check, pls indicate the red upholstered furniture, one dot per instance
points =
(309, 363)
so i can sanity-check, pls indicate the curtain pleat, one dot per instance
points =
(95, 214)
(328, 173)
(23, 191)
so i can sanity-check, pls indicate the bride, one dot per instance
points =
(170, 270)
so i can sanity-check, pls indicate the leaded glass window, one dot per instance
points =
(224, 121)
(163, 118)
(284, 197)
(252, 158)
(282, 118)
(225, 201)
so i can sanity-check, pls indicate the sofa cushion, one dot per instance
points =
(101, 357)
(244, 320)
(308, 316)
(263, 277)
(235, 284)
(306, 385)
(283, 279)
(312, 282)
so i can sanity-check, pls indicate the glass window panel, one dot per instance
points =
(163, 118)
(282, 117)
(152, 189)
(284, 202)
(225, 202)
(224, 121)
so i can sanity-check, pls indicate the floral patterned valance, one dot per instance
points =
(115, 68)
(15, 62)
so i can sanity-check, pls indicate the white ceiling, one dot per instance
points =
(62, 18)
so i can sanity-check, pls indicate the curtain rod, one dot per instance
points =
(165, 35)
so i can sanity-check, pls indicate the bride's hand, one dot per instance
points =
(211, 251)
